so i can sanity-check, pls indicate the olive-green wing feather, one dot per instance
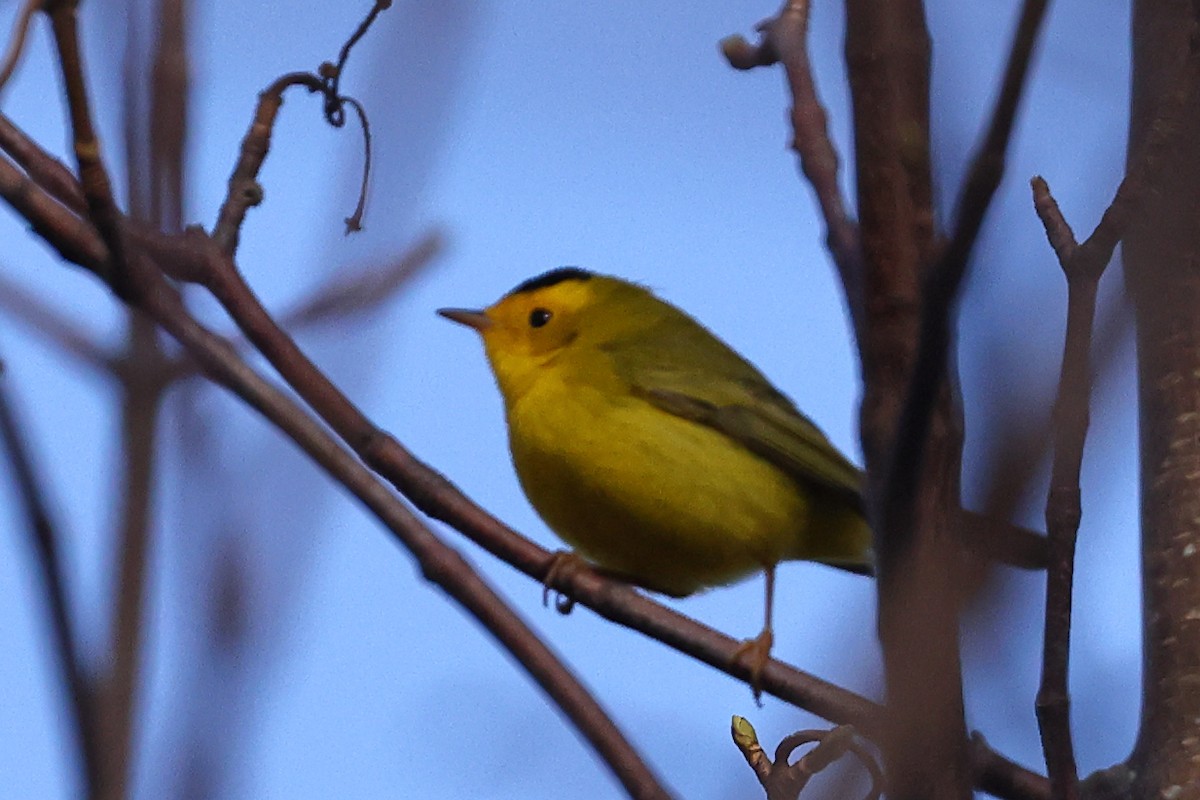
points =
(692, 374)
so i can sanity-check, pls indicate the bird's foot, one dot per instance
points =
(754, 655)
(563, 564)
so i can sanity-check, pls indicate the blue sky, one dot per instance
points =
(606, 135)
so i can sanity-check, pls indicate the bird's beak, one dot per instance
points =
(472, 318)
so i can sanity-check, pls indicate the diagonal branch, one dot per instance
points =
(47, 322)
(45, 544)
(344, 295)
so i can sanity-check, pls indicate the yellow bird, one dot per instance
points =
(656, 451)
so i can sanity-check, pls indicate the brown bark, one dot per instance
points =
(1162, 257)
(888, 55)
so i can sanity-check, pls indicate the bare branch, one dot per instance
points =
(93, 176)
(784, 39)
(49, 173)
(1083, 266)
(244, 189)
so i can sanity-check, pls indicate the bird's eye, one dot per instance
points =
(539, 317)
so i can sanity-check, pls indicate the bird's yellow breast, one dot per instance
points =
(671, 503)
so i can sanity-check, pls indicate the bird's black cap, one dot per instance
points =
(550, 278)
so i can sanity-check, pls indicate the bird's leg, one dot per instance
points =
(563, 564)
(756, 652)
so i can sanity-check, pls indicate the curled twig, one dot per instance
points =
(785, 781)
(244, 190)
(354, 221)
(331, 74)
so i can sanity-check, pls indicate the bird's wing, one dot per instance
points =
(720, 389)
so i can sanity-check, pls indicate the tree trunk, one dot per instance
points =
(1162, 260)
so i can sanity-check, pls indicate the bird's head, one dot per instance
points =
(529, 328)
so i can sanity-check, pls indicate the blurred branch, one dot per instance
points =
(942, 283)
(16, 44)
(44, 539)
(784, 39)
(888, 57)
(47, 322)
(345, 295)
(141, 373)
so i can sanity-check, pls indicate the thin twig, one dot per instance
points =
(44, 539)
(784, 38)
(16, 44)
(1063, 509)
(93, 175)
(334, 71)
(244, 189)
(1083, 265)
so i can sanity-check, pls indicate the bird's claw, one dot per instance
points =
(563, 564)
(754, 655)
